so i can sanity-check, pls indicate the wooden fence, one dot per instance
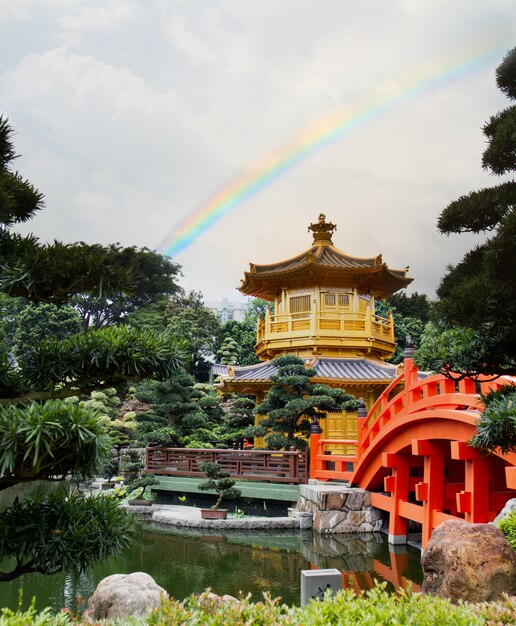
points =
(254, 465)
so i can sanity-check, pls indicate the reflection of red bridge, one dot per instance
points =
(396, 573)
(412, 454)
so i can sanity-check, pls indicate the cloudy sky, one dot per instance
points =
(130, 115)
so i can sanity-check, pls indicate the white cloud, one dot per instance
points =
(130, 114)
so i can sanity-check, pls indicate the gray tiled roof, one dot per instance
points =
(354, 369)
(219, 370)
(327, 368)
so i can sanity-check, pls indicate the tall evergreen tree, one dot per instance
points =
(293, 402)
(479, 293)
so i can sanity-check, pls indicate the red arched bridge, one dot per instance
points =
(412, 453)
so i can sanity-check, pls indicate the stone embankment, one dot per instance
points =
(190, 517)
(339, 509)
(328, 509)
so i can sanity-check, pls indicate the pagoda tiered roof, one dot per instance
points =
(324, 265)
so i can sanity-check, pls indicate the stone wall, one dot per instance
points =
(339, 509)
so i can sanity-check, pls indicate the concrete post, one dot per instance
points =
(315, 583)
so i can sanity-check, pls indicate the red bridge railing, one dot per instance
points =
(255, 465)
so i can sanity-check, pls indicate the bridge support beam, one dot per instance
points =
(398, 486)
(431, 490)
(473, 502)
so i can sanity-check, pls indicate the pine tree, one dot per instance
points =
(479, 294)
(229, 351)
(293, 402)
(238, 422)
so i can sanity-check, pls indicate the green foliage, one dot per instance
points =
(110, 465)
(218, 481)
(105, 402)
(132, 466)
(103, 282)
(10, 311)
(508, 527)
(460, 351)
(150, 316)
(343, 609)
(410, 315)
(243, 334)
(182, 414)
(31, 617)
(255, 309)
(135, 479)
(59, 439)
(374, 607)
(44, 321)
(229, 351)
(49, 440)
(150, 282)
(49, 533)
(19, 199)
(142, 484)
(293, 402)
(101, 357)
(417, 305)
(197, 326)
(238, 422)
(479, 293)
(497, 425)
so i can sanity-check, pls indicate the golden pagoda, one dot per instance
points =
(324, 312)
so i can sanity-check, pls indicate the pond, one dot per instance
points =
(185, 562)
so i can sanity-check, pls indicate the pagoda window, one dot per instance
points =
(300, 306)
(331, 301)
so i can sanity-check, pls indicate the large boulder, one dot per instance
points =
(121, 595)
(464, 561)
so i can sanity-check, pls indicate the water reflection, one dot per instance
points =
(185, 562)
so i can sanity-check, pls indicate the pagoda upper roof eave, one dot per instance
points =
(320, 263)
(379, 281)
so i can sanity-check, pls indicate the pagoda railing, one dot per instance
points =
(325, 323)
(256, 465)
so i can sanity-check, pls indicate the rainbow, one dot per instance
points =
(319, 134)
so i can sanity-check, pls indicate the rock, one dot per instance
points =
(470, 562)
(335, 501)
(121, 595)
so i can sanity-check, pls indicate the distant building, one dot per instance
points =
(226, 310)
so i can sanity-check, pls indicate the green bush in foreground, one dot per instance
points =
(508, 526)
(375, 607)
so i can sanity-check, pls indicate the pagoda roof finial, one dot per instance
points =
(322, 231)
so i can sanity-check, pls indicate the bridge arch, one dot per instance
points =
(412, 454)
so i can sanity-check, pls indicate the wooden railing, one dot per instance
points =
(254, 465)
